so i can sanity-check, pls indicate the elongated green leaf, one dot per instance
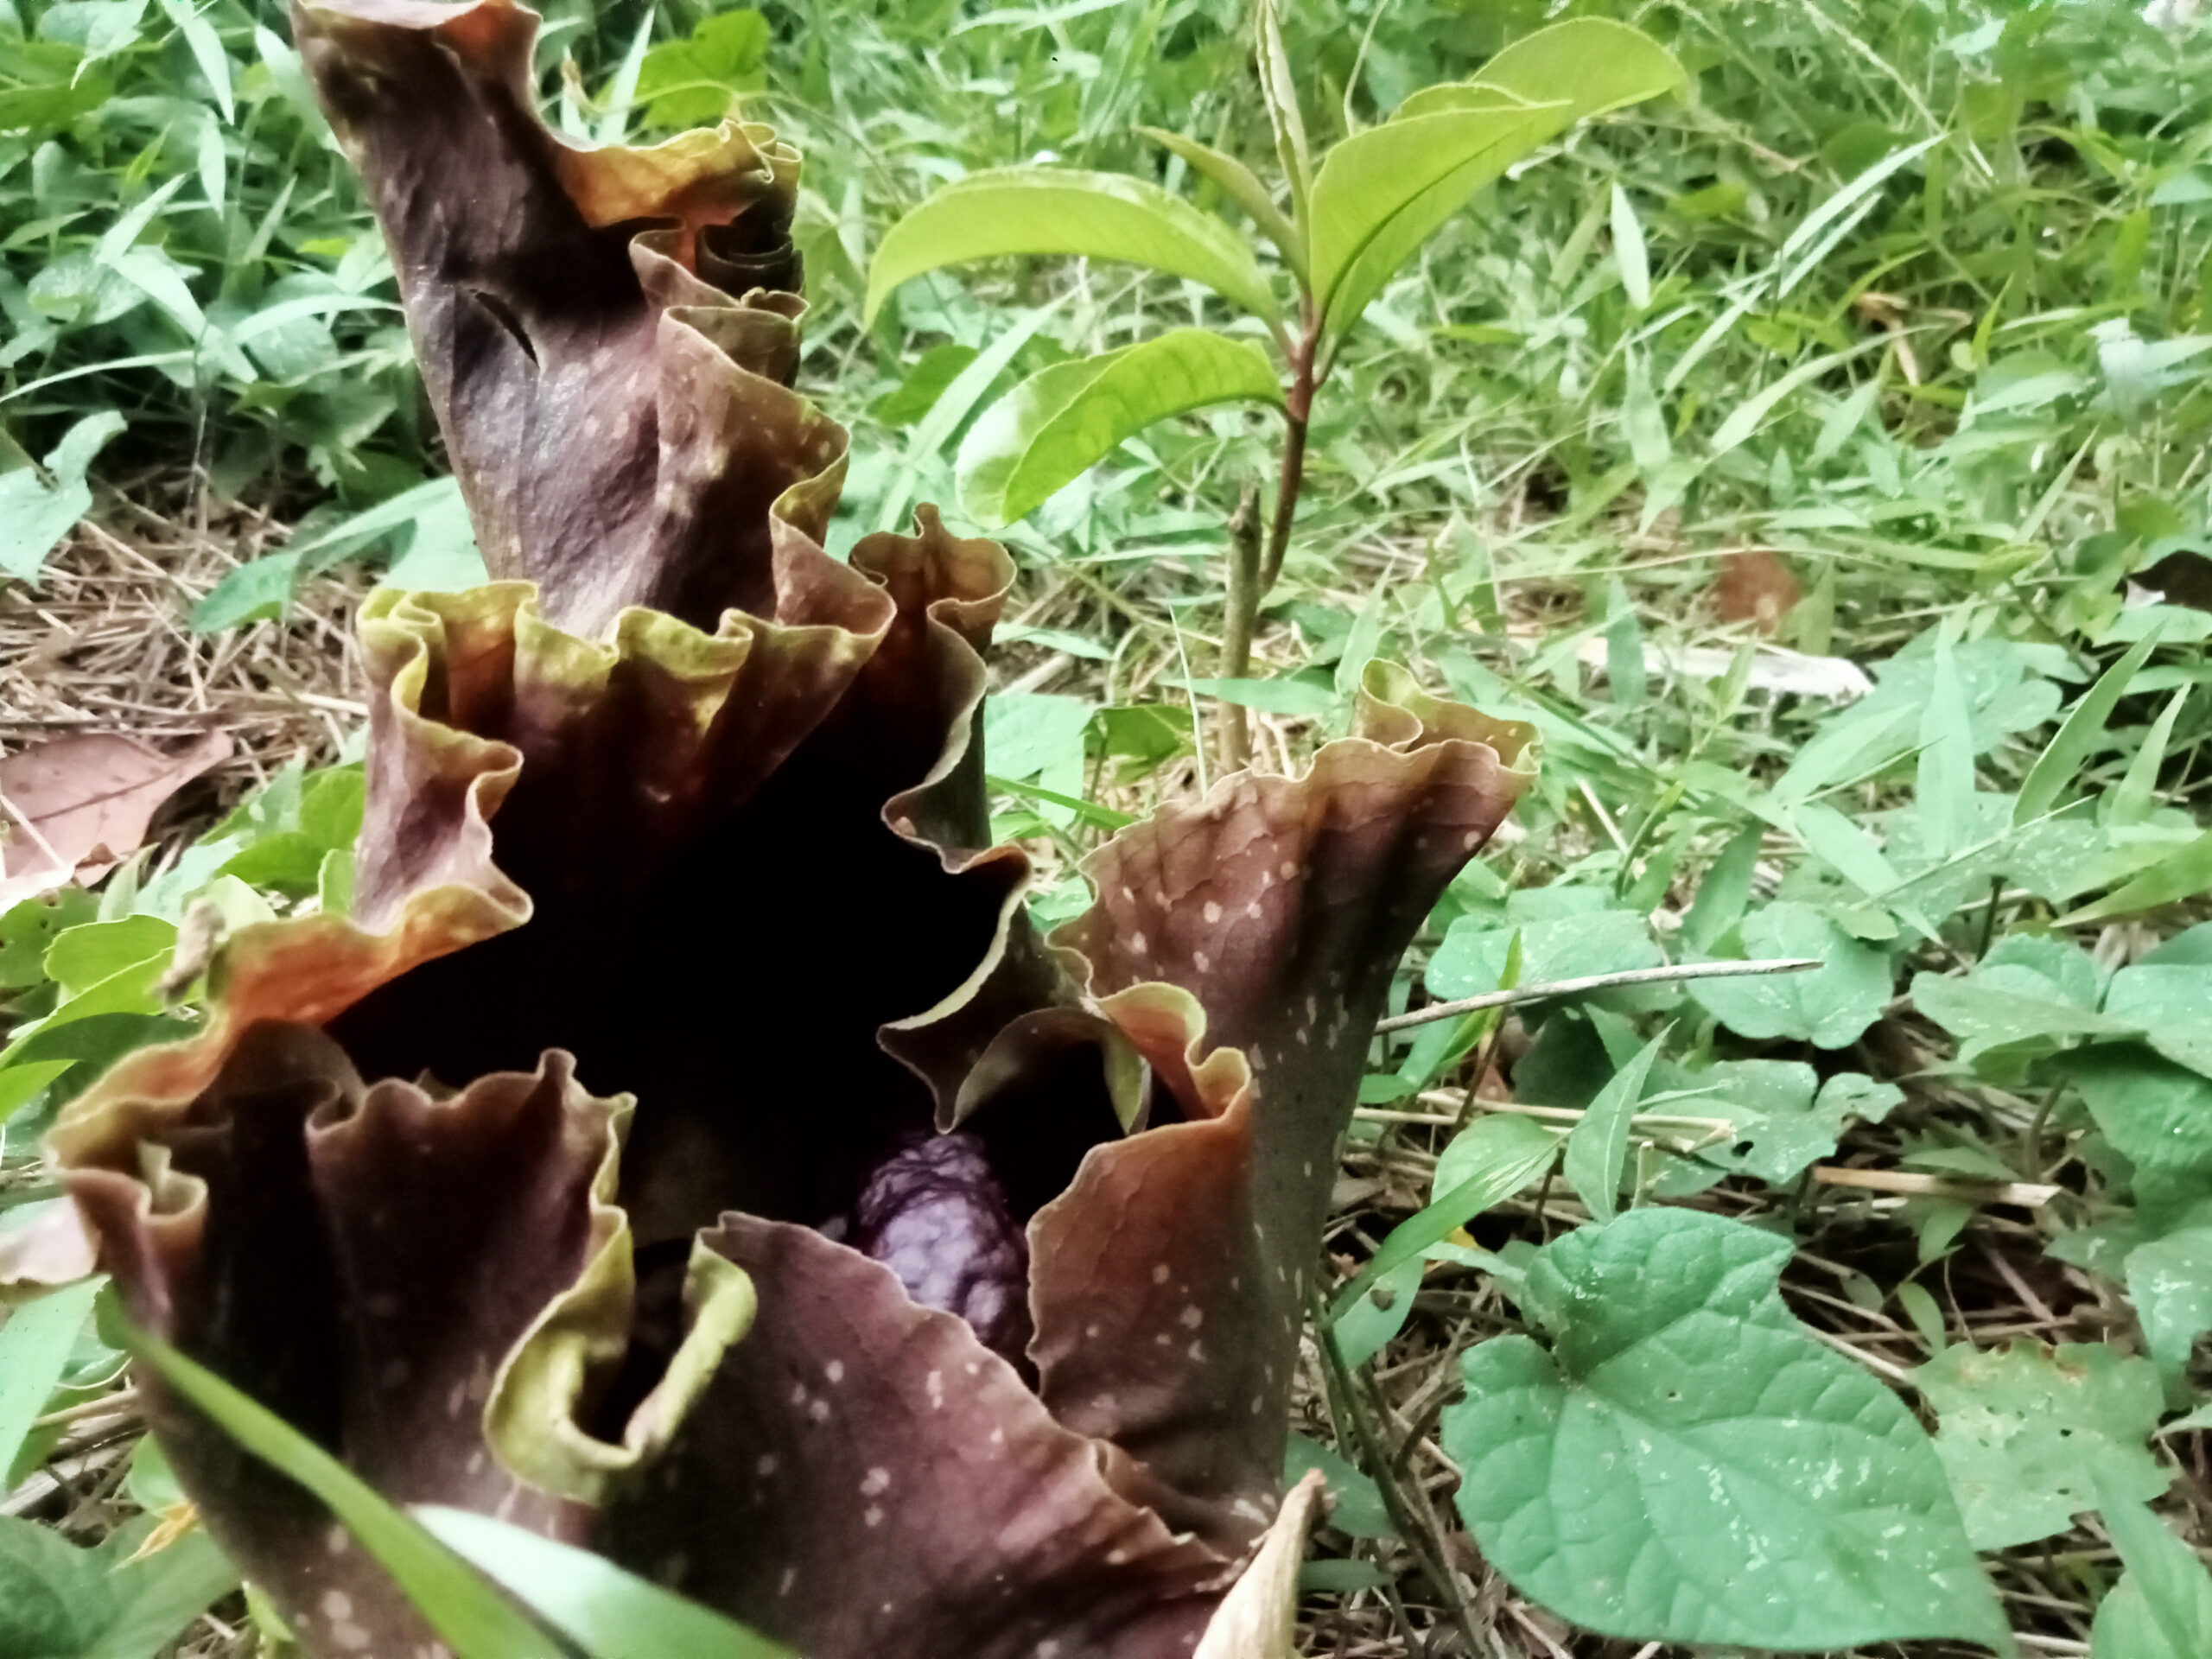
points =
(1681, 1461)
(1369, 1323)
(2061, 763)
(968, 389)
(1630, 253)
(35, 1347)
(1042, 436)
(2183, 873)
(1241, 186)
(610, 1613)
(1597, 1148)
(1061, 210)
(2138, 793)
(1572, 70)
(2162, 1606)
(1944, 776)
(207, 50)
(1828, 224)
(1593, 63)
(1392, 185)
(1487, 1164)
(1298, 698)
(475, 1621)
(1359, 1510)
(1745, 418)
(1279, 90)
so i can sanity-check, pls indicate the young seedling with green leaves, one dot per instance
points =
(1357, 213)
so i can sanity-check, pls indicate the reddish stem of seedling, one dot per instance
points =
(1253, 569)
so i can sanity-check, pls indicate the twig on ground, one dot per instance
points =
(2031, 1194)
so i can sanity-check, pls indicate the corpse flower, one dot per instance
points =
(686, 1149)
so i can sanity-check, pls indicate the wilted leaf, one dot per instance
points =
(1053, 426)
(73, 806)
(1755, 587)
(1678, 1400)
(2027, 1434)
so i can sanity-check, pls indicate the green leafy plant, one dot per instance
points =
(1357, 213)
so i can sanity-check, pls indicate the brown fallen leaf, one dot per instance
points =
(1755, 587)
(74, 807)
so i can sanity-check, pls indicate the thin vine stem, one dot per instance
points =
(1590, 982)
(1252, 567)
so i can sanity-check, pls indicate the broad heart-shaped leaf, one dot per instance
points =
(1572, 70)
(1054, 425)
(2024, 1000)
(2028, 1434)
(1781, 1121)
(2170, 1280)
(1828, 1007)
(58, 1601)
(2162, 1606)
(2171, 1004)
(2157, 1114)
(1685, 1463)
(1063, 210)
(1472, 957)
